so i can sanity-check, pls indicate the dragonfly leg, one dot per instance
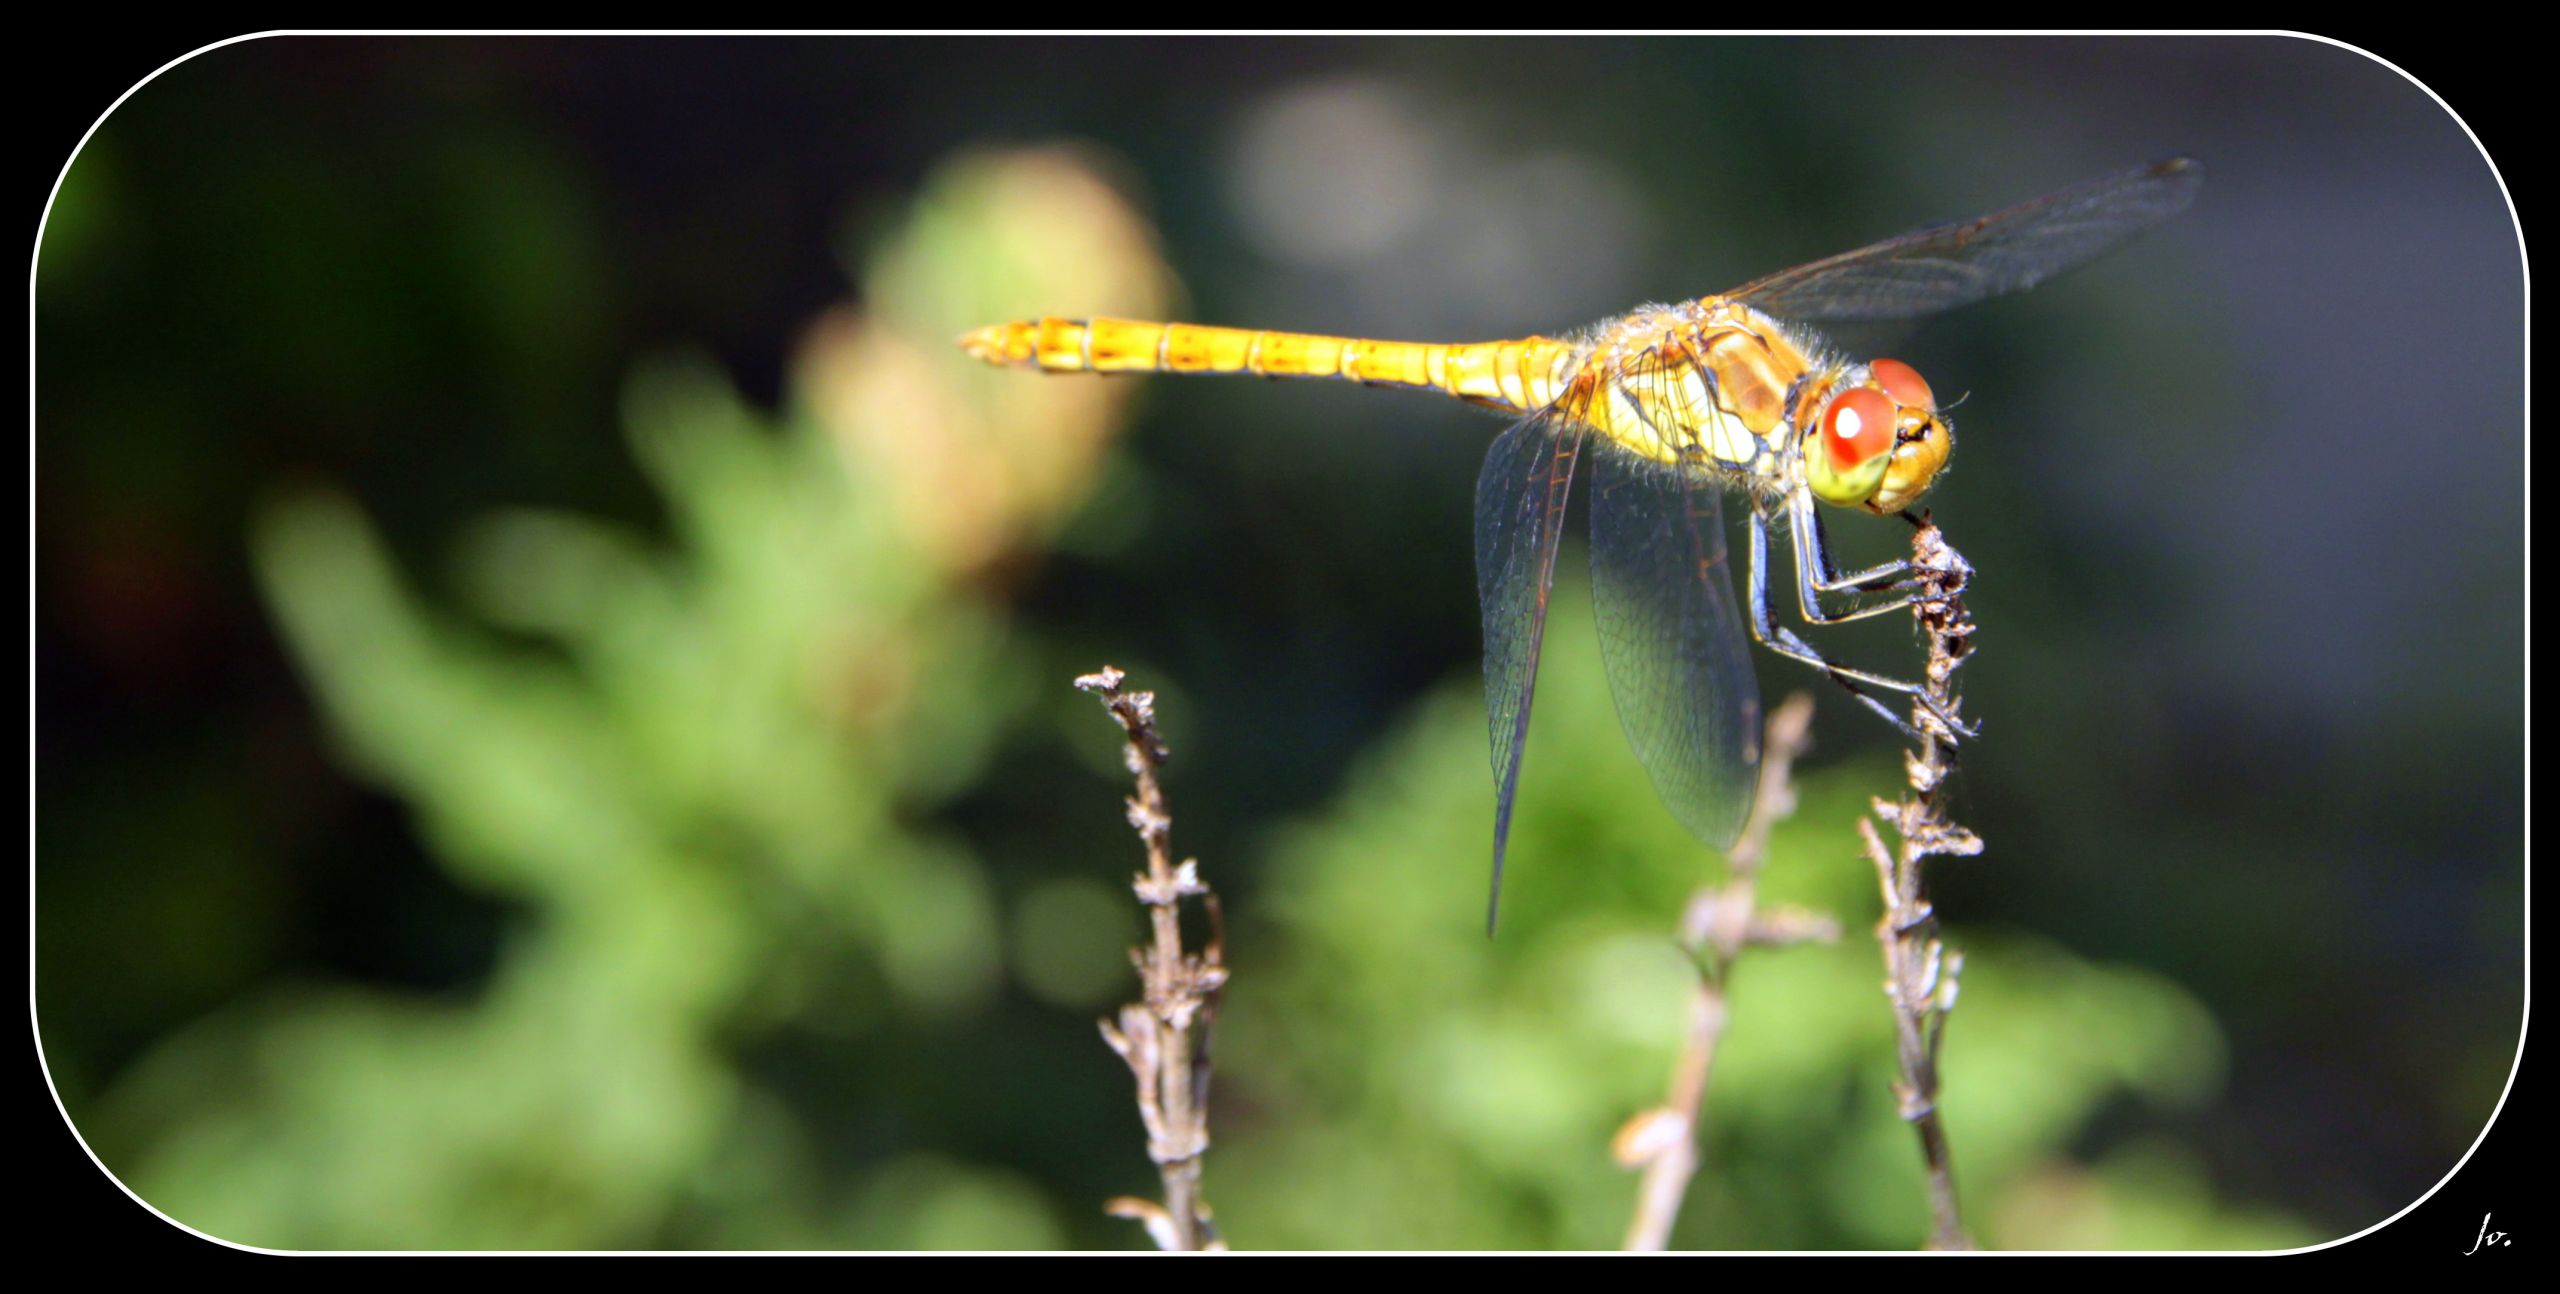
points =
(1857, 682)
(1816, 575)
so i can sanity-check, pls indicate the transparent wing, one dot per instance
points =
(1672, 638)
(1520, 498)
(1945, 266)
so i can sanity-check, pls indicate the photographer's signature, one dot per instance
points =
(2487, 1238)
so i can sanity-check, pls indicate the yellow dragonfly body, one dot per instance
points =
(1679, 404)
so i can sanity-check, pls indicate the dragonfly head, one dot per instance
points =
(1876, 440)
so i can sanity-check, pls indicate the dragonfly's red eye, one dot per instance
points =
(1857, 427)
(1903, 383)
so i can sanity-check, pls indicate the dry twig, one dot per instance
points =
(1719, 923)
(1165, 1038)
(1920, 972)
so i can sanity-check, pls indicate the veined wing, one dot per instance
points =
(1945, 266)
(1520, 498)
(1672, 638)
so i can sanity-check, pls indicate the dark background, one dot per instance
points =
(2245, 499)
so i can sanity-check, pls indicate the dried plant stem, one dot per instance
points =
(1165, 1038)
(1920, 972)
(1719, 922)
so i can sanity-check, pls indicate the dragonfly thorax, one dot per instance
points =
(1706, 381)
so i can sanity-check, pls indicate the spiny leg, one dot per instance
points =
(1816, 576)
(1786, 642)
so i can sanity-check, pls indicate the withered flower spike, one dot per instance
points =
(1164, 1036)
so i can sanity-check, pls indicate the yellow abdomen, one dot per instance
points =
(1515, 375)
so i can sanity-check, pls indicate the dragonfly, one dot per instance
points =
(1676, 406)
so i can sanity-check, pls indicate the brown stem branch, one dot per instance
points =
(1718, 924)
(1165, 1038)
(1920, 971)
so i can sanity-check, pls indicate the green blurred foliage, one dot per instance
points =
(685, 772)
(688, 801)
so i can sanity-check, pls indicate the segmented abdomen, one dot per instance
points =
(1515, 375)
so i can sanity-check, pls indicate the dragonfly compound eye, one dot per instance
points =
(1903, 383)
(1852, 446)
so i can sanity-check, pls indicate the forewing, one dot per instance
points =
(1520, 498)
(1945, 266)
(1672, 638)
